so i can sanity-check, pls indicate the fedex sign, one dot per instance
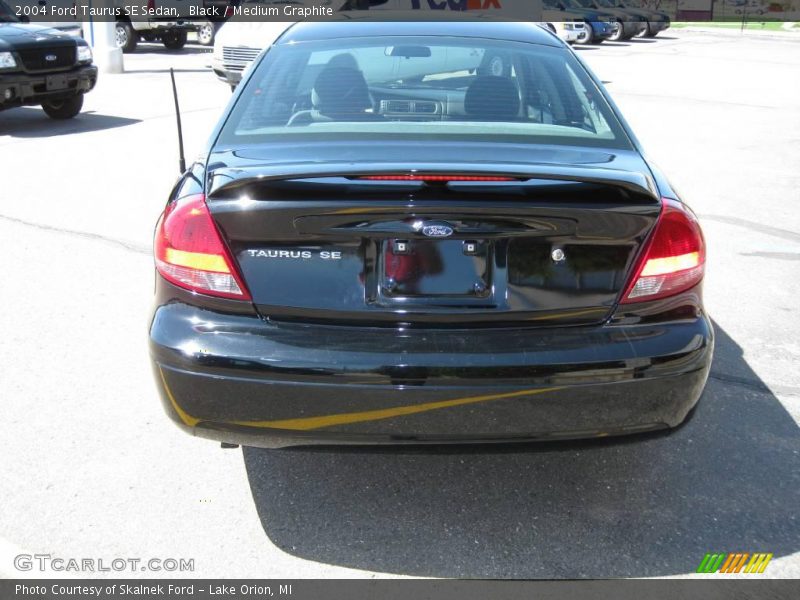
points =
(458, 4)
(526, 10)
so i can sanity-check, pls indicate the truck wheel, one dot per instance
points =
(650, 32)
(618, 34)
(174, 39)
(205, 34)
(126, 37)
(588, 38)
(64, 109)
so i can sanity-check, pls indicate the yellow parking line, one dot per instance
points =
(185, 417)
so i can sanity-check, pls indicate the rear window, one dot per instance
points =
(440, 88)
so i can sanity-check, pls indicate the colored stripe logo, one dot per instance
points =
(734, 562)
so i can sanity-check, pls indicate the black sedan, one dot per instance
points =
(425, 232)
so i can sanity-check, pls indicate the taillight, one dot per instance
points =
(673, 259)
(190, 253)
(151, 5)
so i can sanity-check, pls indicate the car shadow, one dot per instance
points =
(138, 71)
(158, 48)
(640, 506)
(32, 122)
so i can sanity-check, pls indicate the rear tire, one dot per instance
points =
(126, 37)
(63, 109)
(617, 36)
(649, 32)
(205, 34)
(174, 39)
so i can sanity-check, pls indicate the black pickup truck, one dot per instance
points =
(39, 65)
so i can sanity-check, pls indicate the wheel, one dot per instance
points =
(63, 109)
(649, 32)
(174, 39)
(617, 35)
(205, 34)
(126, 37)
(589, 37)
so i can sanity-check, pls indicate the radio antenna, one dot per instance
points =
(181, 158)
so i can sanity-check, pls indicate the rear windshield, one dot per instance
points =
(425, 88)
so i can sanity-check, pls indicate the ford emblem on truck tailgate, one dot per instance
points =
(438, 230)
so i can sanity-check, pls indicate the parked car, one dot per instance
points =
(657, 21)
(750, 7)
(386, 241)
(629, 24)
(238, 43)
(132, 25)
(43, 66)
(599, 26)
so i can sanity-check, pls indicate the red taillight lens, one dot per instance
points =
(437, 178)
(151, 5)
(673, 259)
(190, 253)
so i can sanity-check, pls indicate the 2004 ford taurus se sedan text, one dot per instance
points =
(425, 232)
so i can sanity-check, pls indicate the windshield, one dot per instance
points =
(421, 87)
(606, 3)
(6, 14)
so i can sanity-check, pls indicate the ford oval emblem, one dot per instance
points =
(437, 231)
(50, 57)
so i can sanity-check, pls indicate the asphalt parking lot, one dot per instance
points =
(92, 467)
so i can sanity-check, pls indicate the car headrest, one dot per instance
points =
(341, 92)
(492, 98)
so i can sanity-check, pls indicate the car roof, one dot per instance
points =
(447, 26)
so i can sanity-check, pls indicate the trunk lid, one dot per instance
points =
(316, 241)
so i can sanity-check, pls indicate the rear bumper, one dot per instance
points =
(157, 25)
(239, 379)
(26, 89)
